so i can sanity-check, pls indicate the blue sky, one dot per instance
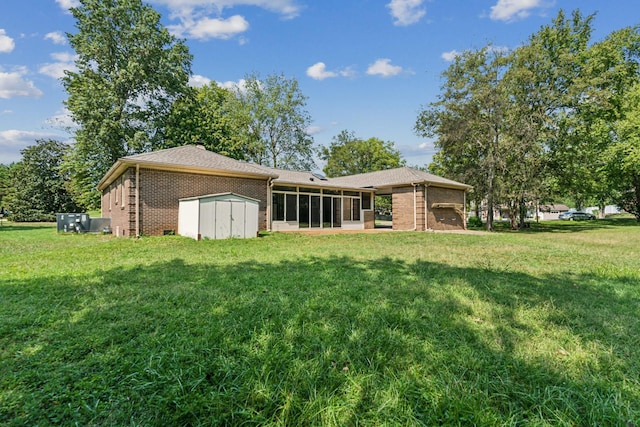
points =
(367, 66)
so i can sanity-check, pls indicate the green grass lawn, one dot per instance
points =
(529, 328)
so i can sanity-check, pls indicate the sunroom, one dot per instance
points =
(302, 201)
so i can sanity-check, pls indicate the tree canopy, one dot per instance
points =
(37, 185)
(545, 119)
(129, 72)
(349, 155)
(273, 120)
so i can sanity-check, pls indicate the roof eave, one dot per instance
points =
(122, 164)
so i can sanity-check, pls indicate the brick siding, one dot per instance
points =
(160, 192)
(437, 219)
(444, 219)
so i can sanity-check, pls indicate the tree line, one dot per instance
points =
(555, 116)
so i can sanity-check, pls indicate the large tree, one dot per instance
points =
(211, 115)
(349, 155)
(37, 185)
(129, 72)
(624, 154)
(274, 120)
(468, 121)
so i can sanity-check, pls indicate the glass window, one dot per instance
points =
(278, 207)
(352, 193)
(303, 211)
(326, 212)
(315, 211)
(336, 192)
(284, 188)
(292, 204)
(346, 209)
(309, 190)
(366, 201)
(355, 211)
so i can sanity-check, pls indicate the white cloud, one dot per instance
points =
(511, 10)
(313, 130)
(207, 28)
(62, 119)
(198, 81)
(64, 62)
(68, 4)
(383, 67)
(406, 12)
(57, 37)
(14, 84)
(6, 43)
(318, 71)
(12, 141)
(240, 85)
(450, 56)
(203, 19)
(287, 8)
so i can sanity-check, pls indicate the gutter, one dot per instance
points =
(415, 206)
(137, 200)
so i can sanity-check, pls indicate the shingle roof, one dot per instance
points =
(394, 177)
(193, 158)
(197, 157)
(308, 179)
(188, 158)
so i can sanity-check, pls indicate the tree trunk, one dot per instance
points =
(523, 212)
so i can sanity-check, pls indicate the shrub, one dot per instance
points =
(474, 221)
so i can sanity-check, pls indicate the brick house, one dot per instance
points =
(141, 194)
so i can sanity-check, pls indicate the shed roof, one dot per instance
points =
(223, 196)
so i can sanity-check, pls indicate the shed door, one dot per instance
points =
(223, 219)
(238, 218)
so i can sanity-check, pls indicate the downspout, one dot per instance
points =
(426, 204)
(415, 206)
(137, 200)
(464, 209)
(269, 201)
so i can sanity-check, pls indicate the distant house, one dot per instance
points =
(550, 212)
(141, 194)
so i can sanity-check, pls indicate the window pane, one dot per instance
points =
(326, 212)
(351, 193)
(346, 211)
(278, 207)
(315, 211)
(292, 207)
(355, 212)
(366, 201)
(309, 190)
(337, 207)
(284, 188)
(303, 211)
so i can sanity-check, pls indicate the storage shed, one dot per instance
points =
(218, 216)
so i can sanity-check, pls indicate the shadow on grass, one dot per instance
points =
(319, 341)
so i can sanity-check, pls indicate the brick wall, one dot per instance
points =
(118, 203)
(402, 208)
(369, 220)
(444, 219)
(160, 192)
(437, 219)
